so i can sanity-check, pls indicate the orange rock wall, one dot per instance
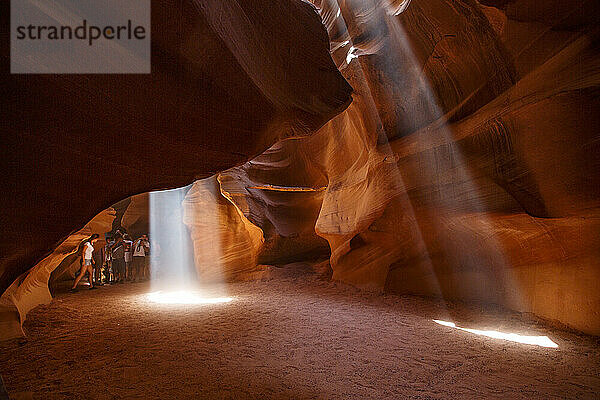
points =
(31, 289)
(498, 201)
(228, 80)
(225, 243)
(466, 166)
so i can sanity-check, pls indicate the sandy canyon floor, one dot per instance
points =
(287, 338)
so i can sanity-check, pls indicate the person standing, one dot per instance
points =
(146, 265)
(98, 256)
(108, 270)
(118, 258)
(128, 247)
(87, 256)
(140, 251)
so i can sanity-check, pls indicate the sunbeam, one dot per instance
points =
(388, 157)
(379, 42)
(171, 263)
(185, 246)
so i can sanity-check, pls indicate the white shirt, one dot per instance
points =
(87, 251)
(139, 248)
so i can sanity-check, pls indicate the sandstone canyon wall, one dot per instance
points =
(222, 90)
(31, 288)
(467, 165)
(225, 243)
(496, 201)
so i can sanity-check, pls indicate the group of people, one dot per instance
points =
(120, 260)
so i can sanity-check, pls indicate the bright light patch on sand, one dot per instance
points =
(543, 341)
(184, 297)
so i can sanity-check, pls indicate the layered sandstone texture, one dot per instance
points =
(31, 288)
(225, 243)
(467, 165)
(478, 172)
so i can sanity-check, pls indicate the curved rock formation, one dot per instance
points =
(466, 166)
(225, 243)
(31, 289)
(281, 192)
(136, 219)
(222, 90)
(518, 141)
